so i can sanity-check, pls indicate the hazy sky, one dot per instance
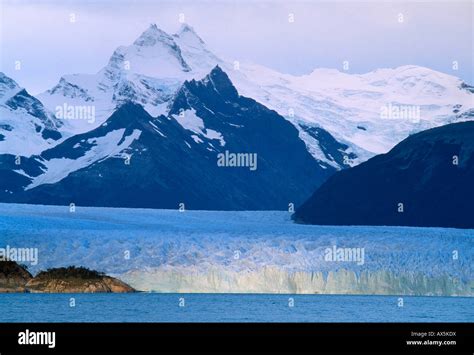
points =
(369, 35)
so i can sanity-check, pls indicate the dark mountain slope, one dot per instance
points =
(420, 173)
(174, 159)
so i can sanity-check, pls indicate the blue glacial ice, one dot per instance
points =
(244, 252)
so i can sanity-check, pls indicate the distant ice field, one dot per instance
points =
(242, 252)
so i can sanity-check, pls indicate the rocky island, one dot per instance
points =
(13, 277)
(16, 278)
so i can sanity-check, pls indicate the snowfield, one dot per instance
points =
(245, 252)
(349, 106)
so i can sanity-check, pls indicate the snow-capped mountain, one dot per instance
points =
(136, 160)
(356, 108)
(349, 106)
(339, 116)
(194, 50)
(148, 72)
(26, 127)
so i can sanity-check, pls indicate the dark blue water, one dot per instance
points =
(155, 307)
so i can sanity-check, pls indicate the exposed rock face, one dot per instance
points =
(176, 159)
(105, 284)
(13, 277)
(75, 280)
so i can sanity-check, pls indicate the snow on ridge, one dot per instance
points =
(315, 150)
(334, 100)
(104, 147)
(8, 88)
(22, 130)
(189, 35)
(148, 71)
(23, 119)
(340, 102)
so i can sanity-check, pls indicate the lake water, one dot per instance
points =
(204, 257)
(156, 307)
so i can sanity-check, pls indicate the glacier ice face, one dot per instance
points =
(262, 252)
(278, 280)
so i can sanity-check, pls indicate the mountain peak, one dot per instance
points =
(6, 79)
(221, 82)
(8, 86)
(127, 114)
(187, 32)
(154, 53)
(218, 73)
(152, 35)
(215, 85)
(186, 28)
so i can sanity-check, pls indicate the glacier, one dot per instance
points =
(241, 252)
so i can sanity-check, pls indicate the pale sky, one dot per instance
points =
(369, 35)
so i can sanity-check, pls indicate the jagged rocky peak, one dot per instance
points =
(117, 58)
(215, 86)
(6, 81)
(188, 33)
(152, 35)
(23, 117)
(114, 70)
(219, 81)
(186, 28)
(14, 97)
(8, 86)
(68, 89)
(195, 51)
(127, 114)
(154, 53)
